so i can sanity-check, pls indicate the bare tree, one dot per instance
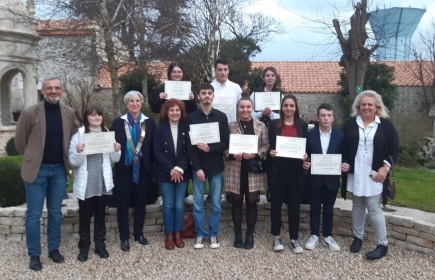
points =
(422, 65)
(356, 55)
(78, 96)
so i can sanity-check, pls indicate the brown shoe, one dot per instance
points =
(178, 240)
(169, 243)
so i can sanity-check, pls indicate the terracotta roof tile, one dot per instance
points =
(296, 76)
(63, 27)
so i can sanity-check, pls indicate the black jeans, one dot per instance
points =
(93, 206)
(327, 197)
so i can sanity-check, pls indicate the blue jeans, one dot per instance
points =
(173, 205)
(215, 184)
(49, 184)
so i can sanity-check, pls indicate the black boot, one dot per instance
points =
(83, 255)
(356, 245)
(377, 253)
(249, 240)
(238, 239)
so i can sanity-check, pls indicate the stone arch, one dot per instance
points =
(11, 98)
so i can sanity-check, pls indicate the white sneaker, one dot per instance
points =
(277, 243)
(297, 248)
(312, 242)
(330, 242)
(199, 243)
(214, 242)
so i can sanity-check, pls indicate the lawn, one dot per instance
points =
(415, 189)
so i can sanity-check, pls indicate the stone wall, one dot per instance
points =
(6, 132)
(407, 233)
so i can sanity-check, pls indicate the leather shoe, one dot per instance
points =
(102, 253)
(83, 255)
(142, 240)
(377, 253)
(169, 242)
(356, 245)
(179, 242)
(35, 263)
(56, 256)
(125, 245)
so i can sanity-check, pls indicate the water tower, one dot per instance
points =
(393, 29)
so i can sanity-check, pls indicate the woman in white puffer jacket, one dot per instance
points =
(93, 183)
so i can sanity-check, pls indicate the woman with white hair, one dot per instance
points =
(372, 144)
(134, 131)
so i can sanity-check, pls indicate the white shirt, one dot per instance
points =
(258, 115)
(325, 138)
(232, 89)
(360, 183)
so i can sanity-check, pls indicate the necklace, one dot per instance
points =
(365, 149)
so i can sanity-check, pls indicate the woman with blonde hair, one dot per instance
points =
(372, 146)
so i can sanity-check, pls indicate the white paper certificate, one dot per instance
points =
(178, 89)
(270, 99)
(205, 133)
(96, 143)
(325, 164)
(290, 147)
(224, 103)
(242, 143)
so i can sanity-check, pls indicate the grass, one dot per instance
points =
(415, 189)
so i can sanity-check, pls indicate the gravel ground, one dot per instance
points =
(155, 262)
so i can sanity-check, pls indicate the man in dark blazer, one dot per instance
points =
(324, 139)
(42, 138)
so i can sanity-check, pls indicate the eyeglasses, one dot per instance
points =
(57, 88)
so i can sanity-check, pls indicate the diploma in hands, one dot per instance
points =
(96, 143)
(178, 89)
(267, 99)
(205, 133)
(224, 103)
(327, 164)
(290, 147)
(243, 143)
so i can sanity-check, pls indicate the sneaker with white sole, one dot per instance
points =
(199, 243)
(277, 243)
(214, 242)
(312, 242)
(330, 242)
(297, 248)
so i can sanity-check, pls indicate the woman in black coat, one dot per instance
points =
(173, 169)
(133, 171)
(285, 175)
(372, 146)
(175, 73)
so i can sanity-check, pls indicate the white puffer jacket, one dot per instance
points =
(79, 164)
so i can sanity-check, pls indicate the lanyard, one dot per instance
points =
(130, 141)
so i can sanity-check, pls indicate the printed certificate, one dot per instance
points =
(224, 103)
(290, 147)
(178, 89)
(270, 99)
(205, 133)
(325, 164)
(242, 143)
(96, 143)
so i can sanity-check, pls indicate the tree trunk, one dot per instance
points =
(145, 85)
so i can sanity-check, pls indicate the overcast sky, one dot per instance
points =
(305, 40)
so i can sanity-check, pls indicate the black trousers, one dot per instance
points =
(286, 190)
(126, 191)
(93, 206)
(327, 197)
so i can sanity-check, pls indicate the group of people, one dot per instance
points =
(144, 151)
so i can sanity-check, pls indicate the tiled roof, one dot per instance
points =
(299, 77)
(63, 27)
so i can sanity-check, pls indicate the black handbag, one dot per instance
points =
(257, 166)
(254, 165)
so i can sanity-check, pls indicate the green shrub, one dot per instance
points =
(10, 147)
(411, 154)
(12, 191)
